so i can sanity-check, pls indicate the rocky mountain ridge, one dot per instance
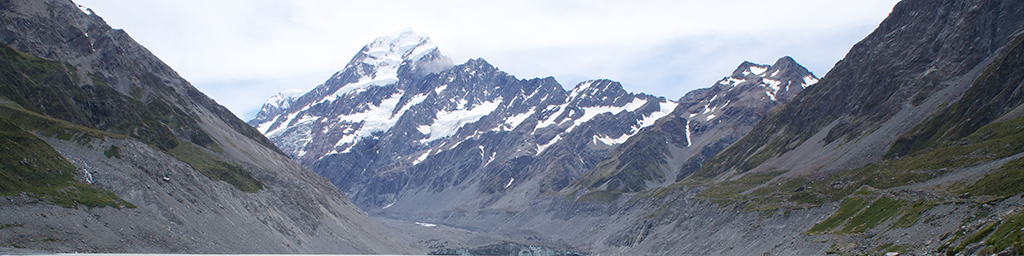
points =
(706, 121)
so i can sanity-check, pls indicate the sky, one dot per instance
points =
(241, 53)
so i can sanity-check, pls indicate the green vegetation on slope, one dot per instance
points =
(865, 210)
(33, 167)
(1005, 182)
(880, 210)
(850, 206)
(913, 214)
(1010, 232)
(216, 168)
(991, 142)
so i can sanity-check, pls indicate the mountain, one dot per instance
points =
(706, 121)
(107, 149)
(474, 137)
(419, 129)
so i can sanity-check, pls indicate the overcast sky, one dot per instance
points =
(242, 52)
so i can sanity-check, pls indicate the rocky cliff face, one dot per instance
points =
(107, 149)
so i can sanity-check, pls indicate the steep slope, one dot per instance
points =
(123, 155)
(920, 118)
(469, 135)
(706, 121)
(882, 78)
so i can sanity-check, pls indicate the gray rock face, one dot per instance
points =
(179, 209)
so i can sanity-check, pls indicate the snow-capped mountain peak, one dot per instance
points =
(776, 78)
(401, 118)
(379, 62)
(284, 98)
(274, 106)
(397, 47)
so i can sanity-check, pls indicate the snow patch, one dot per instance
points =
(731, 81)
(490, 159)
(515, 120)
(634, 104)
(541, 148)
(287, 120)
(688, 131)
(86, 10)
(772, 84)
(263, 127)
(426, 224)
(664, 109)
(553, 117)
(346, 141)
(510, 182)
(580, 88)
(306, 119)
(424, 129)
(447, 123)
(376, 118)
(416, 100)
(591, 112)
(608, 140)
(758, 70)
(421, 158)
(809, 80)
(381, 77)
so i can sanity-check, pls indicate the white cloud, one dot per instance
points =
(660, 47)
